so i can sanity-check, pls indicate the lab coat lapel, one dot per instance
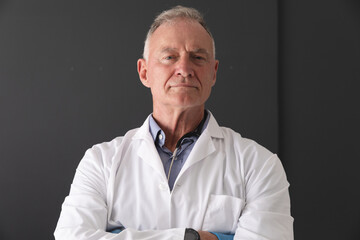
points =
(146, 150)
(204, 145)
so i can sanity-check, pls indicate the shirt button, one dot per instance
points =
(163, 187)
(160, 137)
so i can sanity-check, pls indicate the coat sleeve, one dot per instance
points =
(84, 214)
(266, 214)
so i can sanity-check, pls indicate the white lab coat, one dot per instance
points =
(228, 184)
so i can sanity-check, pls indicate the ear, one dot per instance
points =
(142, 70)
(216, 66)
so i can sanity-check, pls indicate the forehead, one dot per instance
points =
(180, 34)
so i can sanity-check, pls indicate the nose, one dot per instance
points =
(184, 67)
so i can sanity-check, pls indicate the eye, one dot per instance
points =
(170, 57)
(199, 58)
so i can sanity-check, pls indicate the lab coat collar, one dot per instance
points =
(212, 128)
(204, 147)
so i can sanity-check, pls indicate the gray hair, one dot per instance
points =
(170, 16)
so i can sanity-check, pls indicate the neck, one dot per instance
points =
(177, 122)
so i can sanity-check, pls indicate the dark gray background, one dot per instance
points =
(289, 79)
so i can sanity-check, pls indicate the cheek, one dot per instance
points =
(208, 79)
(159, 74)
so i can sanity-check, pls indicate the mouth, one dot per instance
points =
(183, 85)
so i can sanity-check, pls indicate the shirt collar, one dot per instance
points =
(155, 129)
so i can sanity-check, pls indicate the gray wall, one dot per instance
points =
(288, 78)
(320, 115)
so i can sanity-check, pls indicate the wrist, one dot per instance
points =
(204, 235)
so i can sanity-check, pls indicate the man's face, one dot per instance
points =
(180, 69)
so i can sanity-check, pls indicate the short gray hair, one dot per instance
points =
(171, 15)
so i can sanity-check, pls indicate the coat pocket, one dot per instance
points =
(222, 213)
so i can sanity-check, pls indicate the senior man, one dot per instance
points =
(180, 175)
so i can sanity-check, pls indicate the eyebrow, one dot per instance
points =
(197, 50)
(168, 49)
(201, 50)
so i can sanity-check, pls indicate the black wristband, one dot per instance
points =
(191, 234)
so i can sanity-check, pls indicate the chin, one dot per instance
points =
(186, 104)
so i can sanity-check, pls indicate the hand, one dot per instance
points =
(207, 236)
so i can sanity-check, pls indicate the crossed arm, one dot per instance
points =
(265, 216)
(204, 235)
